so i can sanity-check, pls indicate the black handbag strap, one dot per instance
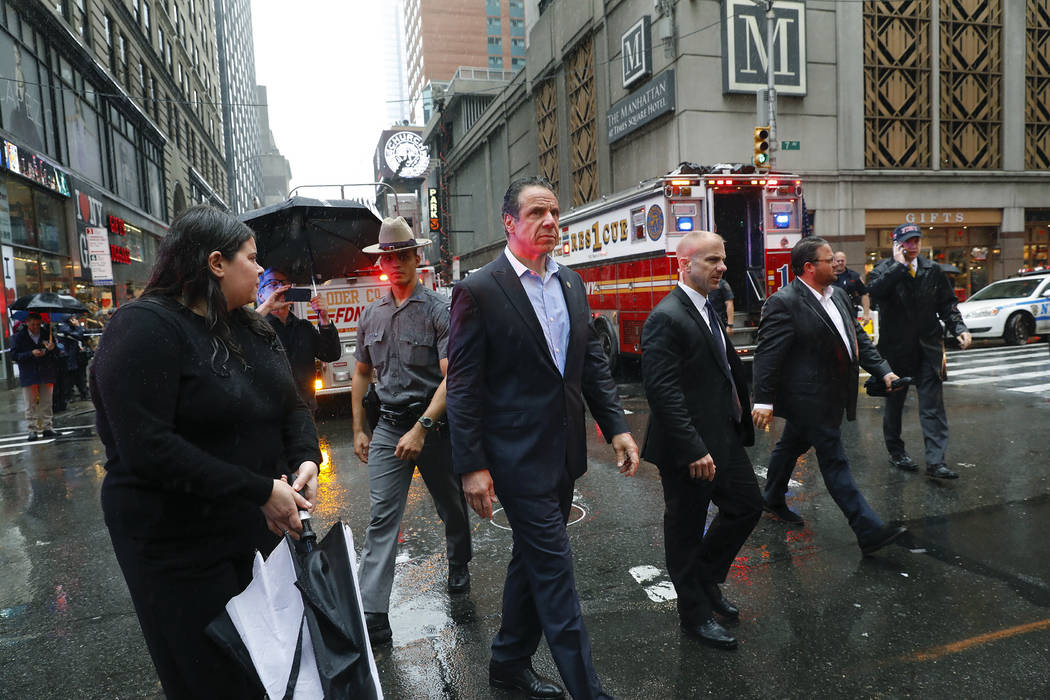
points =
(293, 676)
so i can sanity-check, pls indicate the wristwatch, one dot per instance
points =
(427, 423)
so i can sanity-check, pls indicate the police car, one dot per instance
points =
(1013, 309)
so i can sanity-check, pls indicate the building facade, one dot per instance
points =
(109, 128)
(900, 112)
(443, 36)
(242, 138)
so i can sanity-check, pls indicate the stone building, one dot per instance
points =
(894, 112)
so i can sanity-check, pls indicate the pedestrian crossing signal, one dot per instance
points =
(761, 149)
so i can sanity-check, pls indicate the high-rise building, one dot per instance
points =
(276, 172)
(109, 128)
(396, 88)
(442, 37)
(241, 135)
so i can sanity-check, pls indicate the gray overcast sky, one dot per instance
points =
(321, 62)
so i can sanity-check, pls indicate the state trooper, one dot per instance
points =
(403, 338)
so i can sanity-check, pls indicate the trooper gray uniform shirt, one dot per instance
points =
(404, 344)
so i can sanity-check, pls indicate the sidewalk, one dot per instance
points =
(13, 409)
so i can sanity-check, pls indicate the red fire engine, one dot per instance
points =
(623, 245)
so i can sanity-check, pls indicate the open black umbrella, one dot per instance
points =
(299, 629)
(49, 302)
(313, 240)
(949, 268)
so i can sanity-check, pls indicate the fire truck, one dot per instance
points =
(346, 298)
(623, 245)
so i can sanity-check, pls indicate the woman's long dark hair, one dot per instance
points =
(181, 274)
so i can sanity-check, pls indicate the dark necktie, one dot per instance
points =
(716, 331)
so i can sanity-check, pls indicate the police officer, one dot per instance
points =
(403, 337)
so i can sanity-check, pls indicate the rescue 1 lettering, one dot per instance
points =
(589, 238)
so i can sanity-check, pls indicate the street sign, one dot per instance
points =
(791, 145)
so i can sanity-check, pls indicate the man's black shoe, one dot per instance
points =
(379, 631)
(49, 433)
(719, 604)
(32, 436)
(536, 687)
(883, 537)
(458, 578)
(710, 633)
(940, 471)
(782, 512)
(904, 462)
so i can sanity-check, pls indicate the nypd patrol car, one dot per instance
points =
(1013, 309)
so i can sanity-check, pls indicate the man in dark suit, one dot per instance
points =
(914, 298)
(699, 423)
(522, 359)
(810, 349)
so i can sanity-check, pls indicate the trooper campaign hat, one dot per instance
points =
(395, 234)
(905, 232)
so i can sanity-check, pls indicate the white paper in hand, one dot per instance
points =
(268, 615)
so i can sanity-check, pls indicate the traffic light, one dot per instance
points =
(761, 152)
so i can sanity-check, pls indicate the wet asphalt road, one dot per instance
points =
(960, 609)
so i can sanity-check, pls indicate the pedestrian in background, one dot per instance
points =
(915, 297)
(403, 338)
(523, 356)
(853, 285)
(201, 421)
(301, 340)
(807, 364)
(699, 423)
(37, 357)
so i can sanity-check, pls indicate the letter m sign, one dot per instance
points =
(637, 50)
(744, 47)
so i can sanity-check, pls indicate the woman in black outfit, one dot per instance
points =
(200, 418)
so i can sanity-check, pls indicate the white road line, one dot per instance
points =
(1002, 378)
(985, 359)
(654, 582)
(1034, 389)
(762, 471)
(8, 454)
(1035, 347)
(975, 370)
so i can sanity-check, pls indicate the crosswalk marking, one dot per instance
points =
(1034, 389)
(998, 378)
(1002, 367)
(976, 370)
(962, 360)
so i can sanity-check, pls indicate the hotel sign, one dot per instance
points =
(744, 44)
(636, 47)
(652, 100)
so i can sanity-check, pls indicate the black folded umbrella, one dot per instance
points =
(876, 387)
(313, 240)
(298, 629)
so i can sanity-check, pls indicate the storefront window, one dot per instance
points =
(967, 253)
(1037, 245)
(56, 273)
(20, 210)
(50, 224)
(27, 274)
